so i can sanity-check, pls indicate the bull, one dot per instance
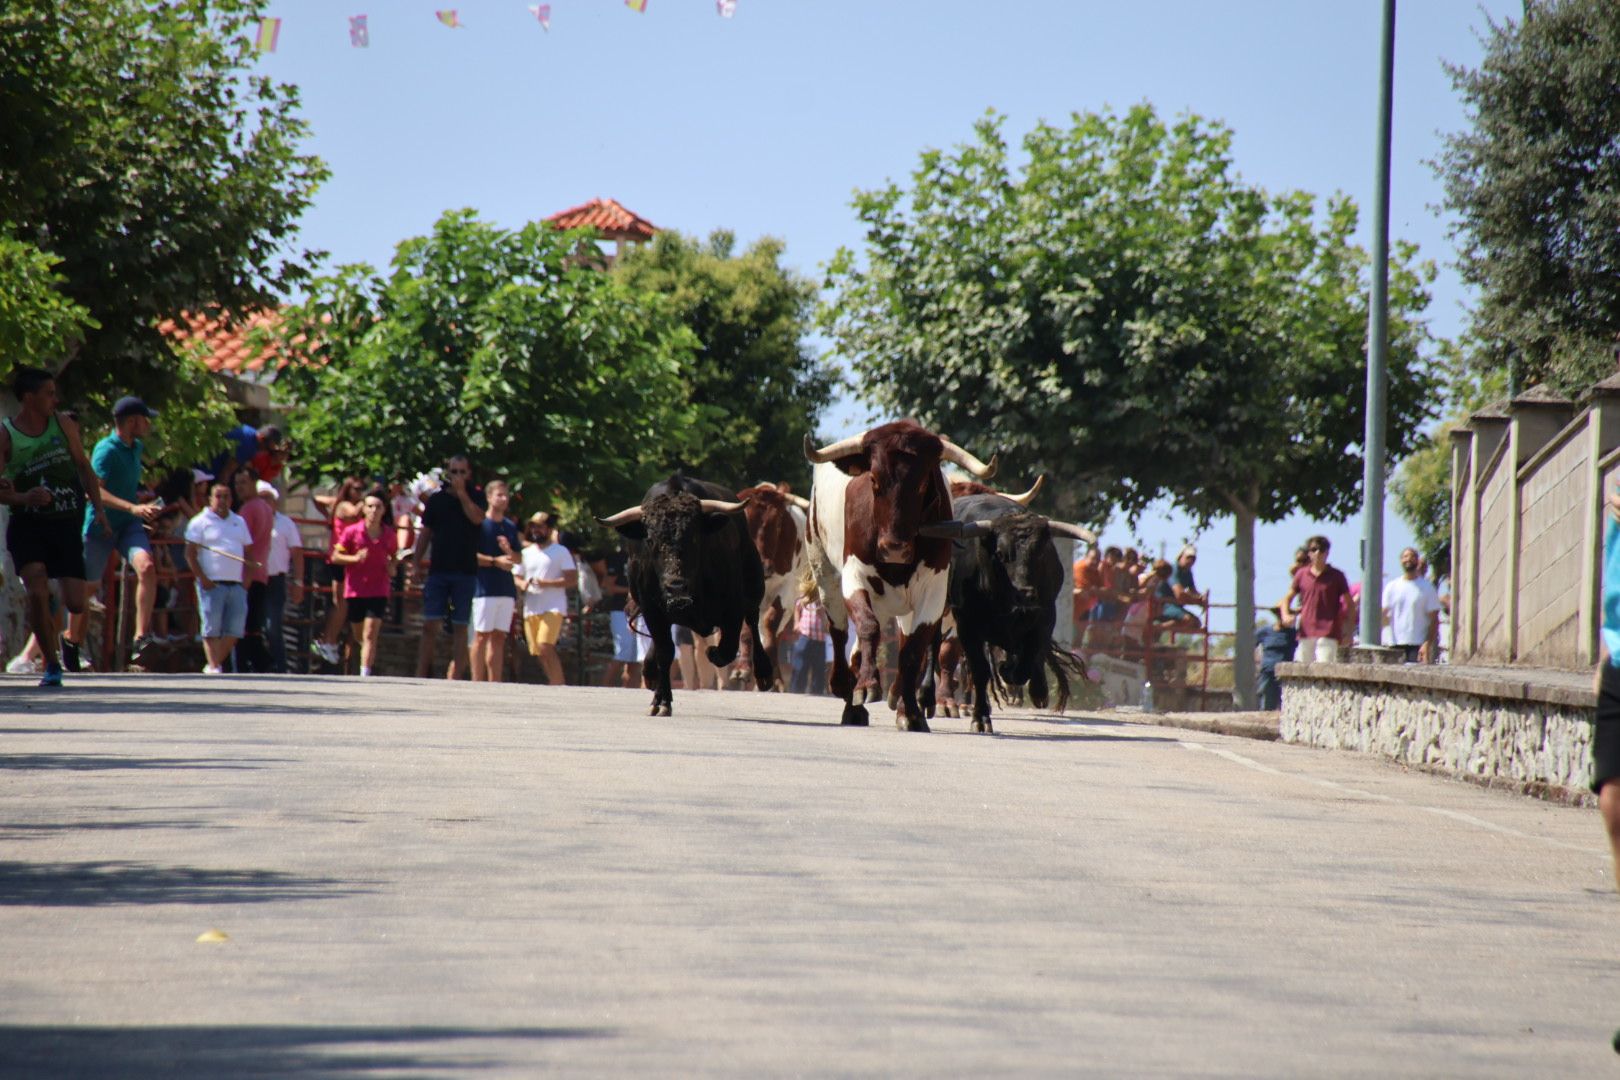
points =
(776, 523)
(871, 496)
(692, 564)
(1004, 585)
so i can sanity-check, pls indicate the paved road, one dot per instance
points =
(428, 880)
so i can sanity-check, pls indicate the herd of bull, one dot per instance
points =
(885, 537)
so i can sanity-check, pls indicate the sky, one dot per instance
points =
(766, 123)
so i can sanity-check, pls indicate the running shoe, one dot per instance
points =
(21, 665)
(70, 657)
(53, 675)
(138, 647)
(210, 669)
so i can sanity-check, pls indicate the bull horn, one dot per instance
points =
(958, 456)
(1029, 496)
(954, 530)
(1078, 532)
(623, 517)
(797, 500)
(715, 506)
(832, 451)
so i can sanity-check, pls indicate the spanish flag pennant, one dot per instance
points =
(269, 32)
(448, 17)
(359, 34)
(725, 8)
(636, 5)
(543, 13)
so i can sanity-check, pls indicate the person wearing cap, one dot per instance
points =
(286, 556)
(264, 449)
(547, 572)
(48, 481)
(117, 462)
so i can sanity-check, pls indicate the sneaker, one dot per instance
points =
(139, 646)
(53, 675)
(21, 665)
(210, 669)
(70, 656)
(330, 653)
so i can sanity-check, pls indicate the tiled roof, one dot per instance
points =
(610, 219)
(223, 343)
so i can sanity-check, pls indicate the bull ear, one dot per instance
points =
(713, 523)
(853, 465)
(632, 530)
(954, 530)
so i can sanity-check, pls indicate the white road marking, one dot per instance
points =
(1454, 815)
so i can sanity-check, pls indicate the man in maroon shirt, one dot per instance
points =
(1323, 593)
(252, 653)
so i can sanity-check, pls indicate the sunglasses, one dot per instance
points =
(1313, 550)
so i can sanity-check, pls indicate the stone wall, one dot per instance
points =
(1518, 728)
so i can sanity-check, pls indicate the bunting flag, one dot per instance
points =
(543, 13)
(448, 17)
(636, 5)
(269, 31)
(726, 8)
(359, 36)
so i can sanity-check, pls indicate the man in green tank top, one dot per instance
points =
(42, 458)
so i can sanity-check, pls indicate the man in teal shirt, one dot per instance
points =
(116, 460)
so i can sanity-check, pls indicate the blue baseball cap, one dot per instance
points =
(132, 406)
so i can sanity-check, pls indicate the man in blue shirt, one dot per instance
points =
(1276, 644)
(116, 461)
(1606, 732)
(495, 599)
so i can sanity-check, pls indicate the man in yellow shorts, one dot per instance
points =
(547, 573)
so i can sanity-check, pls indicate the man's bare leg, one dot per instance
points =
(425, 648)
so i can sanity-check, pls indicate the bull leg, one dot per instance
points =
(658, 670)
(842, 682)
(915, 650)
(950, 663)
(925, 696)
(868, 631)
(979, 665)
(768, 641)
(724, 651)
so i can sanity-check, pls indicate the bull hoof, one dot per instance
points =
(894, 698)
(659, 710)
(983, 726)
(908, 724)
(856, 716)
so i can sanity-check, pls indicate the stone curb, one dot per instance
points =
(1244, 725)
(1508, 686)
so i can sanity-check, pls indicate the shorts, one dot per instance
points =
(1317, 650)
(543, 629)
(362, 608)
(683, 636)
(449, 596)
(629, 647)
(1606, 731)
(58, 542)
(492, 614)
(98, 547)
(1173, 613)
(223, 609)
(1103, 611)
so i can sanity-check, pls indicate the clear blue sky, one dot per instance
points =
(765, 123)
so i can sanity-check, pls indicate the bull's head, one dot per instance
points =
(902, 463)
(672, 526)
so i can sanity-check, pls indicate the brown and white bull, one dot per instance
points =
(777, 521)
(869, 497)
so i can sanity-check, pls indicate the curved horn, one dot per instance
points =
(832, 451)
(623, 517)
(1029, 496)
(958, 456)
(1063, 528)
(954, 530)
(715, 506)
(797, 500)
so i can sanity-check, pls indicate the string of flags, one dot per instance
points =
(269, 33)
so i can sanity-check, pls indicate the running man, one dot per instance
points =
(51, 481)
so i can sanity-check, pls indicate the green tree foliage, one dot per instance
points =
(138, 150)
(36, 318)
(1129, 316)
(501, 344)
(753, 374)
(1535, 184)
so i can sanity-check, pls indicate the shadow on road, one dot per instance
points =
(111, 883)
(309, 1052)
(39, 830)
(98, 762)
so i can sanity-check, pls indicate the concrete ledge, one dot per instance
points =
(1512, 728)
(1562, 688)
(1243, 725)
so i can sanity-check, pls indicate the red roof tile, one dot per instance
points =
(223, 343)
(610, 219)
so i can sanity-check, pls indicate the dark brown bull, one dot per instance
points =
(870, 497)
(776, 522)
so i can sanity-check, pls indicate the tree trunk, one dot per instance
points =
(1243, 644)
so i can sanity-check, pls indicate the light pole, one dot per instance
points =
(1372, 487)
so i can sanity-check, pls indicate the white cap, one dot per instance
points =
(269, 489)
(1188, 550)
(198, 476)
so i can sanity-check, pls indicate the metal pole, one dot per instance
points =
(1372, 506)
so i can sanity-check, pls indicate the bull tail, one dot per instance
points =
(1064, 665)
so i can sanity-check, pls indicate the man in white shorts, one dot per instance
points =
(495, 598)
(1324, 605)
(547, 573)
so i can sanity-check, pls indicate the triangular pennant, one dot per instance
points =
(269, 33)
(636, 5)
(543, 13)
(448, 17)
(359, 36)
(726, 8)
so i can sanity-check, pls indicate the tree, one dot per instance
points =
(1130, 317)
(753, 373)
(499, 343)
(1532, 182)
(36, 319)
(139, 152)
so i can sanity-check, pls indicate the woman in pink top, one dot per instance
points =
(366, 551)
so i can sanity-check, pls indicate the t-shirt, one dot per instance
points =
(44, 460)
(1276, 646)
(368, 578)
(229, 534)
(455, 539)
(492, 580)
(244, 440)
(1322, 601)
(119, 468)
(1088, 584)
(617, 574)
(1409, 605)
(1611, 589)
(283, 539)
(261, 521)
(546, 563)
(1183, 576)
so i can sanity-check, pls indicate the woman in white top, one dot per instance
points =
(544, 577)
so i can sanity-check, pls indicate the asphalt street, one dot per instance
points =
(423, 879)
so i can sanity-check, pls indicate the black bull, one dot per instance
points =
(1005, 581)
(693, 564)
